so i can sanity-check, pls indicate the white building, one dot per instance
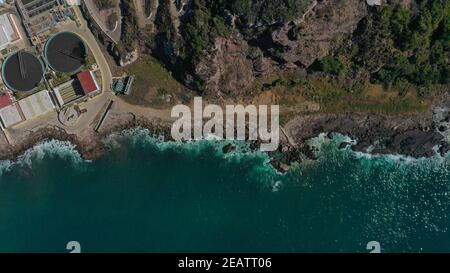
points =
(36, 105)
(10, 115)
(8, 31)
(373, 2)
(73, 2)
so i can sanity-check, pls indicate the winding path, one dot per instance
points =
(84, 32)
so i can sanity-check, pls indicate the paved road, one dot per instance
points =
(84, 32)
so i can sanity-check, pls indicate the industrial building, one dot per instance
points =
(9, 112)
(22, 71)
(8, 31)
(88, 83)
(39, 15)
(65, 52)
(36, 105)
(84, 85)
(68, 92)
(12, 113)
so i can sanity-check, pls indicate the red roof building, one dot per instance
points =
(5, 100)
(88, 82)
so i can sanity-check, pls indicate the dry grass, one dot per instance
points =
(153, 84)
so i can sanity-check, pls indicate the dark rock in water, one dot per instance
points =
(394, 135)
(254, 145)
(344, 145)
(416, 142)
(228, 149)
(283, 167)
(442, 128)
(444, 149)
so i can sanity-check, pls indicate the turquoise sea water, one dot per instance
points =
(149, 196)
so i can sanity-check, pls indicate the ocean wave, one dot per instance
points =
(403, 197)
(142, 137)
(47, 149)
(241, 152)
(326, 142)
(399, 197)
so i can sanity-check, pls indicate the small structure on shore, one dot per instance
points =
(373, 2)
(65, 52)
(22, 71)
(123, 86)
(70, 116)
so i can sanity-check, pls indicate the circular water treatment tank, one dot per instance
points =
(22, 71)
(65, 52)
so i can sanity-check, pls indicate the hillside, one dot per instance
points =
(232, 48)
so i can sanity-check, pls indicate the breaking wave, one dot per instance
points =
(240, 153)
(406, 200)
(50, 149)
(399, 201)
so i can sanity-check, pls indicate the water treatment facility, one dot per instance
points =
(22, 71)
(55, 73)
(52, 70)
(65, 52)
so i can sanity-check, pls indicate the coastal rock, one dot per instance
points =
(231, 66)
(314, 37)
(344, 145)
(228, 148)
(233, 61)
(391, 135)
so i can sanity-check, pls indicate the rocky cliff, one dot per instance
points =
(221, 47)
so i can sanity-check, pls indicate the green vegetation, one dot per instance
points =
(261, 11)
(130, 29)
(338, 96)
(197, 34)
(400, 46)
(207, 20)
(332, 65)
(202, 27)
(394, 62)
(152, 82)
(60, 78)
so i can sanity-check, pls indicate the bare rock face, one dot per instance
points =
(407, 3)
(231, 66)
(319, 30)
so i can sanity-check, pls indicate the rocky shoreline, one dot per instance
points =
(414, 136)
(410, 135)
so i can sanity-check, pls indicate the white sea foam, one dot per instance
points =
(5, 166)
(322, 142)
(387, 185)
(50, 148)
(241, 150)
